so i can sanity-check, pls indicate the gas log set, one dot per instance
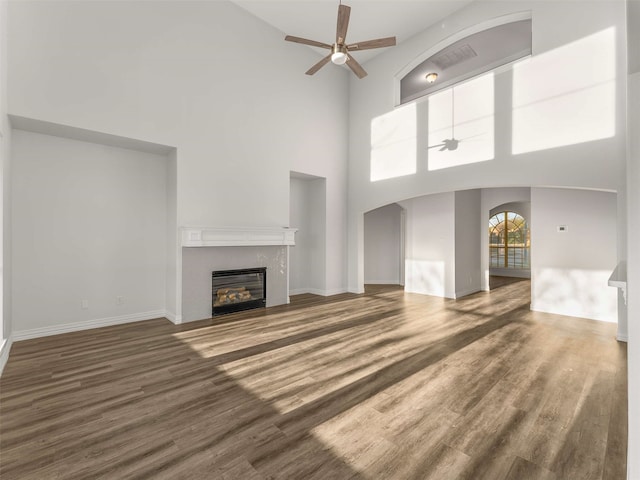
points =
(225, 296)
(236, 290)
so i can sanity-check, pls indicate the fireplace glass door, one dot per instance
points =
(236, 290)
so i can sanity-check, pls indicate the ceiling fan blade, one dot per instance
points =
(344, 12)
(355, 67)
(443, 148)
(377, 43)
(305, 41)
(318, 65)
(436, 146)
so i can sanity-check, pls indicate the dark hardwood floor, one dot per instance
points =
(384, 385)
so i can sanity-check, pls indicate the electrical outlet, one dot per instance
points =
(84, 304)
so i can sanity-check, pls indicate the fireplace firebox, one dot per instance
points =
(237, 290)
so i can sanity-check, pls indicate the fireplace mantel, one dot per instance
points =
(237, 236)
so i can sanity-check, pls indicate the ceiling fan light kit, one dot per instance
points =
(339, 55)
(340, 50)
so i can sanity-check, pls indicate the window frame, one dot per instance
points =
(501, 237)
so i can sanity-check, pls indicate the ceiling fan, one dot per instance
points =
(340, 50)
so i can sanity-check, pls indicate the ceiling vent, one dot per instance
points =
(454, 56)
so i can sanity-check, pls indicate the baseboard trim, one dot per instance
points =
(327, 293)
(450, 296)
(173, 318)
(464, 293)
(87, 325)
(315, 291)
(5, 348)
(298, 291)
(335, 291)
(535, 308)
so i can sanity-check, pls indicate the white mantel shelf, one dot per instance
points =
(237, 236)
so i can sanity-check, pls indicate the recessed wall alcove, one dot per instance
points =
(94, 229)
(308, 213)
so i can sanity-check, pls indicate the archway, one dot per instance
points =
(509, 244)
(384, 245)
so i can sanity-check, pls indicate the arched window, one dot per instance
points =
(509, 241)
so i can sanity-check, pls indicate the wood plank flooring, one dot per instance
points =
(385, 385)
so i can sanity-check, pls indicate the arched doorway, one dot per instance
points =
(384, 254)
(509, 247)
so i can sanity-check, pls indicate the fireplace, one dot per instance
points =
(236, 290)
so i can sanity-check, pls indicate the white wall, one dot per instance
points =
(633, 275)
(467, 250)
(173, 297)
(382, 245)
(570, 270)
(166, 72)
(298, 255)
(430, 245)
(633, 234)
(307, 262)
(494, 197)
(89, 223)
(563, 34)
(521, 208)
(5, 198)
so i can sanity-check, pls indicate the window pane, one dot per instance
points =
(511, 230)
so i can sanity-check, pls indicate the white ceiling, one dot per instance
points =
(316, 19)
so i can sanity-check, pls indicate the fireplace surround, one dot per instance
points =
(208, 249)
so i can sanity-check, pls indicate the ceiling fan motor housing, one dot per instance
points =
(337, 48)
